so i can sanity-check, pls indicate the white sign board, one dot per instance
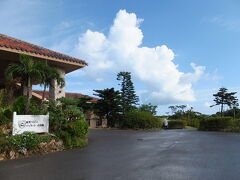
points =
(30, 123)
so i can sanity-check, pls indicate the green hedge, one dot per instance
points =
(193, 122)
(176, 124)
(235, 125)
(140, 120)
(216, 123)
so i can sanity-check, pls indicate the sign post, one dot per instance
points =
(30, 123)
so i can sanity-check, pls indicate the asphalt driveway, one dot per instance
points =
(136, 155)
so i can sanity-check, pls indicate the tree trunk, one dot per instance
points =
(28, 95)
(221, 110)
(24, 87)
(44, 90)
(234, 112)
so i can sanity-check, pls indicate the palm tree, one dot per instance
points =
(49, 74)
(27, 71)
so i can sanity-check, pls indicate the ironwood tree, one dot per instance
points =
(128, 95)
(223, 97)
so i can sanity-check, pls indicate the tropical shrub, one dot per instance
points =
(37, 108)
(78, 128)
(216, 123)
(57, 119)
(73, 113)
(176, 124)
(23, 142)
(74, 134)
(140, 120)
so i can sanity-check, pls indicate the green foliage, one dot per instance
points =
(26, 140)
(216, 123)
(22, 142)
(68, 102)
(176, 124)
(128, 94)
(85, 105)
(78, 128)
(73, 113)
(57, 118)
(193, 122)
(37, 108)
(72, 141)
(48, 74)
(223, 97)
(148, 108)
(235, 125)
(234, 112)
(20, 104)
(5, 115)
(108, 106)
(74, 134)
(140, 120)
(28, 71)
(68, 123)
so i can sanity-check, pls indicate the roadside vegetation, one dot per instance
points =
(67, 123)
(122, 109)
(225, 120)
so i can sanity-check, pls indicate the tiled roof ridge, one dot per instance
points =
(72, 93)
(48, 52)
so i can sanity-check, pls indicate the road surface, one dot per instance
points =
(137, 155)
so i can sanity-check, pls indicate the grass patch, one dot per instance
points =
(190, 128)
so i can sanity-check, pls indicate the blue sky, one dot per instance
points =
(206, 33)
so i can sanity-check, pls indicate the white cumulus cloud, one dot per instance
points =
(122, 50)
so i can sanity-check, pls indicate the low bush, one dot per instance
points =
(60, 117)
(235, 125)
(23, 142)
(74, 134)
(73, 113)
(78, 128)
(216, 123)
(140, 120)
(176, 124)
(193, 122)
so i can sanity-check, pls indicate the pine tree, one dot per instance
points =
(222, 97)
(128, 95)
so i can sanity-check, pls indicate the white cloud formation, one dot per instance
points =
(207, 104)
(122, 50)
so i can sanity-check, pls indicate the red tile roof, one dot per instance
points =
(16, 44)
(68, 95)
